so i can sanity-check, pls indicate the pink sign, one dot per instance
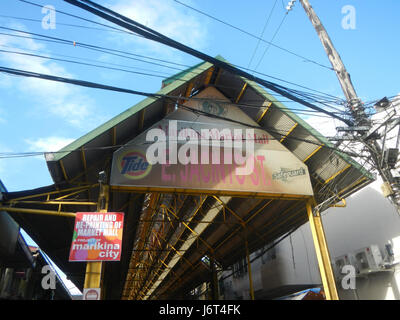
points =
(97, 236)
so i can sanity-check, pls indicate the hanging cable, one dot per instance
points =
(152, 95)
(271, 41)
(262, 34)
(148, 33)
(131, 56)
(81, 18)
(254, 36)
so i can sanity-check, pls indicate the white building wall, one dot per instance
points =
(295, 262)
(368, 219)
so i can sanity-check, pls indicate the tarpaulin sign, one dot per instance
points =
(190, 151)
(97, 236)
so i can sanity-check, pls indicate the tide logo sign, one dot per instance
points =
(134, 165)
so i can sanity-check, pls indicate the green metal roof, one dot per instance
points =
(173, 82)
(321, 138)
(181, 74)
(2, 187)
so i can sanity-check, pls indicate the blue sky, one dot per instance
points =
(43, 116)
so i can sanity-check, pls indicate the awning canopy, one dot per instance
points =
(168, 236)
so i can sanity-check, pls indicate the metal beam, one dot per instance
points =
(243, 222)
(337, 173)
(208, 76)
(141, 119)
(264, 112)
(37, 211)
(158, 268)
(191, 230)
(289, 132)
(156, 276)
(189, 241)
(312, 153)
(235, 193)
(152, 202)
(343, 205)
(353, 185)
(189, 89)
(63, 170)
(322, 252)
(92, 166)
(241, 93)
(70, 194)
(81, 188)
(76, 203)
(176, 250)
(114, 135)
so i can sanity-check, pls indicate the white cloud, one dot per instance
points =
(58, 99)
(172, 21)
(48, 144)
(326, 126)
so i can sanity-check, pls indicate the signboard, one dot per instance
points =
(97, 236)
(91, 294)
(196, 151)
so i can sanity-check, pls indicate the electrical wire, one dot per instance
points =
(79, 58)
(81, 63)
(254, 36)
(135, 57)
(148, 33)
(296, 97)
(271, 41)
(62, 24)
(80, 18)
(135, 92)
(300, 111)
(102, 49)
(262, 34)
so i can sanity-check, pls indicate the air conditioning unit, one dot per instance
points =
(340, 262)
(368, 259)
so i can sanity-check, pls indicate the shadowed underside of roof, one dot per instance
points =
(163, 250)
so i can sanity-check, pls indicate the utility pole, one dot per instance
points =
(362, 123)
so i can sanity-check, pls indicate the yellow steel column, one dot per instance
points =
(321, 250)
(93, 276)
